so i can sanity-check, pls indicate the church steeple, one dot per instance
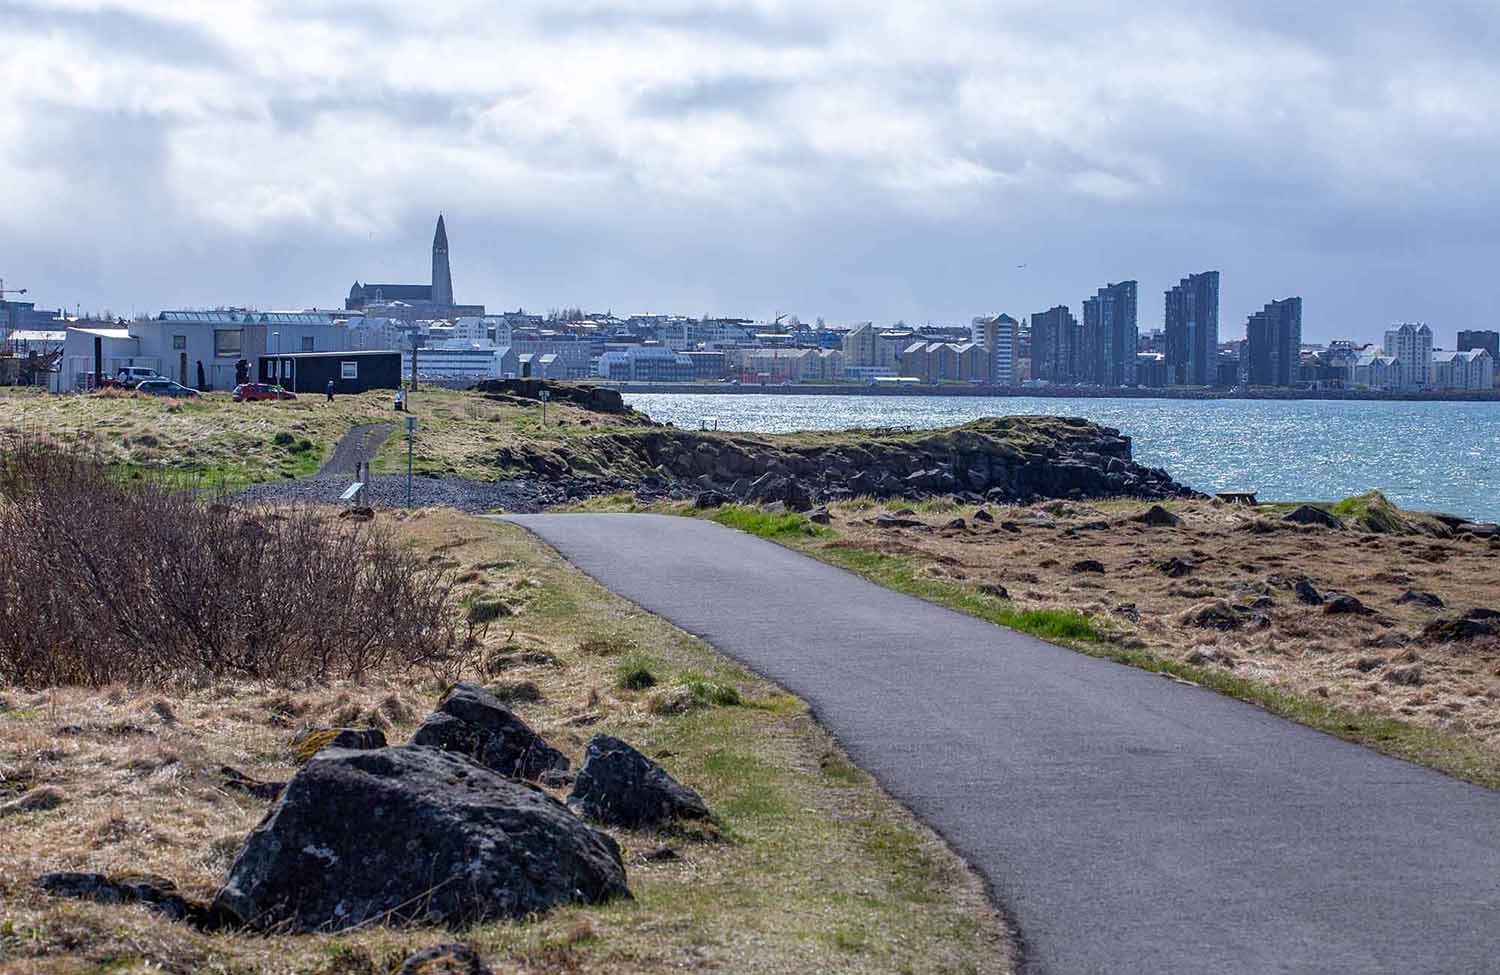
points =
(442, 278)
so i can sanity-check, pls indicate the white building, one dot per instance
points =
(1470, 369)
(1411, 344)
(998, 336)
(456, 362)
(646, 364)
(1375, 371)
(200, 349)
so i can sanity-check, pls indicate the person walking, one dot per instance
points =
(330, 390)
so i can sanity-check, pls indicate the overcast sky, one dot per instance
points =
(846, 160)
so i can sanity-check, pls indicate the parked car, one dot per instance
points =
(165, 387)
(254, 392)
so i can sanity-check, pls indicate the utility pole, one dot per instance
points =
(411, 437)
(544, 396)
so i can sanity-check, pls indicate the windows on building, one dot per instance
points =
(227, 343)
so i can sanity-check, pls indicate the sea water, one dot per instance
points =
(1431, 456)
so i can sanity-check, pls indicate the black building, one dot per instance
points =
(1054, 336)
(1106, 355)
(351, 372)
(1274, 343)
(1487, 340)
(1192, 326)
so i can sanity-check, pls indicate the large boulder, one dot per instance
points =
(1308, 515)
(620, 786)
(409, 834)
(472, 721)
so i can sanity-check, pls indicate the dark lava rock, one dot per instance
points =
(471, 721)
(620, 786)
(1343, 604)
(411, 834)
(820, 515)
(711, 499)
(1473, 625)
(449, 959)
(1412, 596)
(896, 521)
(984, 516)
(957, 524)
(1158, 517)
(1089, 565)
(1217, 615)
(1175, 568)
(1307, 593)
(993, 589)
(237, 781)
(1309, 515)
(157, 893)
(309, 743)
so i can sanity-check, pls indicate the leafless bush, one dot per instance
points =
(105, 578)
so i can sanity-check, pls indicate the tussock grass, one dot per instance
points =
(767, 524)
(635, 673)
(773, 894)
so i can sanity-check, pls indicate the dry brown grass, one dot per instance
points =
(1356, 662)
(817, 870)
(218, 440)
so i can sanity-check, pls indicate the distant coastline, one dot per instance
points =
(1057, 392)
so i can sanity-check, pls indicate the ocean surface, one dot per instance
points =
(1427, 456)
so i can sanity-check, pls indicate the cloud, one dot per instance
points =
(839, 158)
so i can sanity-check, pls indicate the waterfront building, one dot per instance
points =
(997, 336)
(1375, 370)
(1469, 369)
(409, 302)
(572, 358)
(1192, 330)
(776, 366)
(868, 347)
(1106, 352)
(647, 364)
(1274, 344)
(1054, 339)
(708, 367)
(1150, 369)
(1410, 343)
(932, 363)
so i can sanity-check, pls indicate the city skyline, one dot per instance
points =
(832, 159)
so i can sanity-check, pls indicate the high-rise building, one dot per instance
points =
(1106, 354)
(998, 337)
(1054, 340)
(442, 278)
(1192, 327)
(1486, 340)
(1274, 344)
(1410, 344)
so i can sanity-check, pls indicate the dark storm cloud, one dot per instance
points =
(841, 159)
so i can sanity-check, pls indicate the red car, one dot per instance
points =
(252, 392)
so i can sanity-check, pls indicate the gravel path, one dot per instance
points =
(1128, 824)
(358, 446)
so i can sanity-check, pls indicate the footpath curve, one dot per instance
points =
(1125, 823)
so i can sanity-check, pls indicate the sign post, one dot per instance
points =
(411, 437)
(544, 396)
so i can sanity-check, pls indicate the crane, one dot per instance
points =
(9, 291)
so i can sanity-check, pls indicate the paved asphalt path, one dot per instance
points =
(1126, 823)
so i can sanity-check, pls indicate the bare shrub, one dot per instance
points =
(105, 579)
